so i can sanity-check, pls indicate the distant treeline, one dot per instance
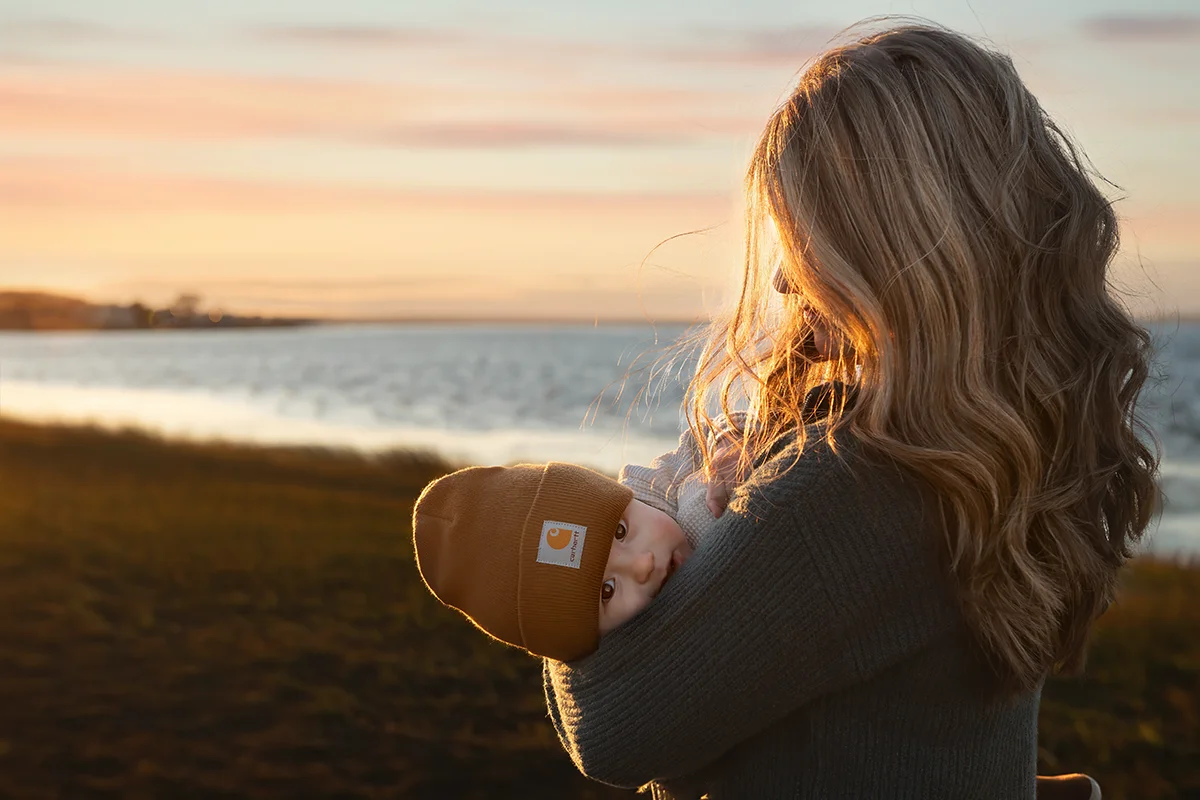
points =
(42, 311)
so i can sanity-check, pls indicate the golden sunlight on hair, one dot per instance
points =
(920, 203)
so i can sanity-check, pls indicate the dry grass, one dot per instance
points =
(223, 621)
(186, 621)
(1132, 720)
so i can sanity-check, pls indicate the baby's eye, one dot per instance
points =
(608, 590)
(620, 531)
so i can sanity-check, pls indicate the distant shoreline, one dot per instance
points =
(23, 310)
(593, 322)
(43, 311)
(275, 324)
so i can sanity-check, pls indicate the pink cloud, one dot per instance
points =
(1137, 27)
(133, 103)
(69, 31)
(111, 102)
(768, 47)
(356, 36)
(789, 46)
(89, 185)
(640, 99)
(510, 134)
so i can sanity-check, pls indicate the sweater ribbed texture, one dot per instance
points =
(812, 647)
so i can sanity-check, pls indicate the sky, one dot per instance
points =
(518, 159)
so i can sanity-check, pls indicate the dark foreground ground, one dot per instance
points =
(183, 621)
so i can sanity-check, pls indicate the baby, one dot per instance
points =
(552, 557)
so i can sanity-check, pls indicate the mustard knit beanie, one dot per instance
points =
(521, 551)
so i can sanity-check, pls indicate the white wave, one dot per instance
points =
(200, 416)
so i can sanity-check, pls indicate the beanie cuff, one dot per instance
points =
(565, 546)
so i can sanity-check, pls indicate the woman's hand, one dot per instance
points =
(728, 471)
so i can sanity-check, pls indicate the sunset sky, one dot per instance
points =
(505, 159)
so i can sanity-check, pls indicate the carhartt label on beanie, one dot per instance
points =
(561, 544)
(521, 551)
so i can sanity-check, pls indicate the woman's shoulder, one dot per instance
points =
(821, 460)
(838, 495)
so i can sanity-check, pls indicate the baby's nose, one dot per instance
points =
(643, 567)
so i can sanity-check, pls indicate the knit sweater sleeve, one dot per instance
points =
(810, 582)
(657, 483)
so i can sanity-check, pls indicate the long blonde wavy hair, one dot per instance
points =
(914, 196)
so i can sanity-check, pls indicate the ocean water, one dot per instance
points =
(487, 394)
(475, 393)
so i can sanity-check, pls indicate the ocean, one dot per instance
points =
(475, 393)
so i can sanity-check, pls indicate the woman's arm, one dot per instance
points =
(806, 584)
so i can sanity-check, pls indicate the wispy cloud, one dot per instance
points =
(1181, 117)
(91, 185)
(643, 98)
(755, 47)
(1134, 27)
(356, 36)
(511, 134)
(142, 103)
(764, 47)
(472, 41)
(286, 286)
(174, 105)
(68, 31)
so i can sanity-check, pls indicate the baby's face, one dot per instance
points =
(647, 549)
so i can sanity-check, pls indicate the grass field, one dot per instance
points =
(222, 621)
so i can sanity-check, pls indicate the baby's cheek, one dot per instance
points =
(667, 529)
(619, 616)
(638, 607)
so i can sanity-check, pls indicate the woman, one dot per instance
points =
(878, 608)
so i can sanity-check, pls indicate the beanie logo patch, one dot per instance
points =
(561, 544)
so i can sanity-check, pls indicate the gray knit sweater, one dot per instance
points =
(812, 647)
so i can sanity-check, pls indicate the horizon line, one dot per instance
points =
(466, 318)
